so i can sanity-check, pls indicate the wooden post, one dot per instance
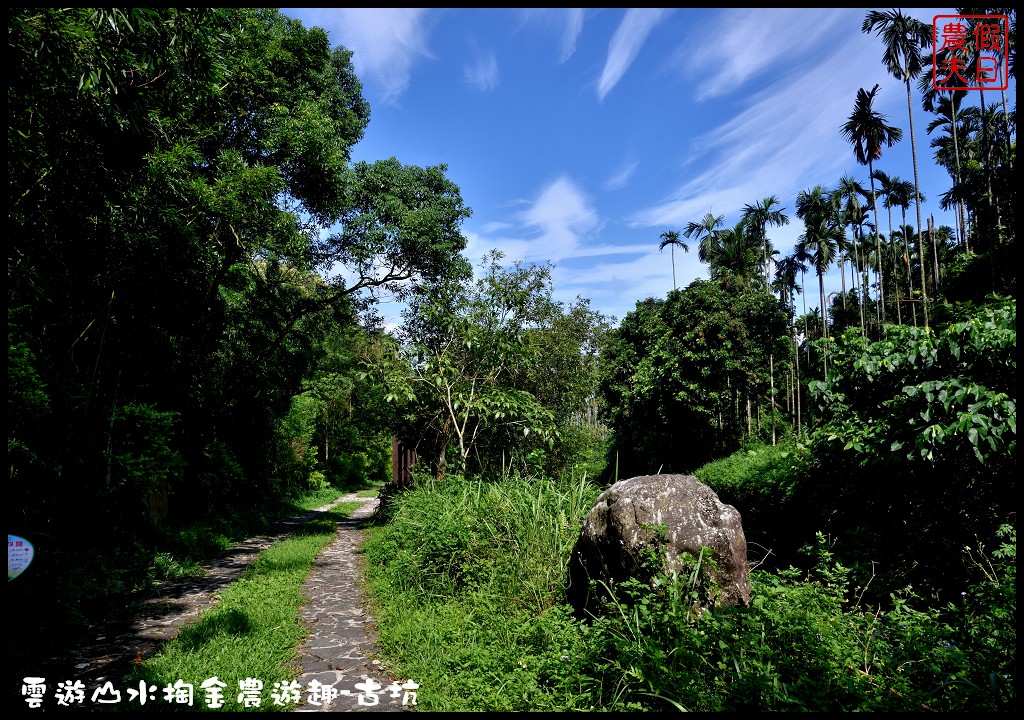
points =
(402, 461)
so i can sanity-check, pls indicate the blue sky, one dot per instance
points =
(577, 136)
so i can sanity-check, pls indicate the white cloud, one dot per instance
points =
(385, 43)
(559, 217)
(558, 224)
(483, 75)
(753, 42)
(573, 28)
(629, 37)
(567, 21)
(620, 179)
(616, 285)
(788, 132)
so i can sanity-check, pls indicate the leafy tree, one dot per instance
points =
(186, 232)
(186, 263)
(677, 375)
(493, 371)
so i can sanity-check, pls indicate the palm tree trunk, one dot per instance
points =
(878, 242)
(796, 347)
(842, 274)
(859, 284)
(906, 255)
(824, 324)
(771, 377)
(807, 332)
(959, 174)
(899, 313)
(1009, 141)
(917, 203)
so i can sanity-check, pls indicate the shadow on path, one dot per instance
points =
(336, 653)
(342, 638)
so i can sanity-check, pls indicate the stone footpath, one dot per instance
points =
(338, 652)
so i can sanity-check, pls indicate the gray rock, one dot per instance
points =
(618, 532)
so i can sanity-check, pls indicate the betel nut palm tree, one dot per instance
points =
(946, 104)
(820, 240)
(904, 38)
(671, 238)
(705, 233)
(738, 255)
(758, 217)
(867, 131)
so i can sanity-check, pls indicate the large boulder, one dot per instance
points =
(619, 532)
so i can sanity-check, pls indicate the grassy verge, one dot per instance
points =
(468, 579)
(252, 633)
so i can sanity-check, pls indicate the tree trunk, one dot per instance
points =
(771, 376)
(878, 243)
(917, 204)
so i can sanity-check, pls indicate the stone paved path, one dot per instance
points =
(342, 635)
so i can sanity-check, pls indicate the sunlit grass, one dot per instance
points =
(254, 630)
(467, 582)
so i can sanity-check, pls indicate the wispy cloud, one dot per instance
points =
(788, 132)
(559, 217)
(560, 223)
(482, 75)
(750, 43)
(620, 179)
(385, 43)
(568, 22)
(629, 37)
(573, 28)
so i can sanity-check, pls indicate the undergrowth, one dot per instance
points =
(468, 576)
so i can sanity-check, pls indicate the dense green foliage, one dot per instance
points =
(193, 262)
(189, 251)
(493, 373)
(916, 448)
(688, 378)
(469, 602)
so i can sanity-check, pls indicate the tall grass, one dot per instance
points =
(468, 577)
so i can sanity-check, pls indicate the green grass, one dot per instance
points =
(467, 580)
(467, 584)
(254, 630)
(370, 493)
(317, 498)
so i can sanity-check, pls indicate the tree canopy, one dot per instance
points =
(187, 240)
(681, 376)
